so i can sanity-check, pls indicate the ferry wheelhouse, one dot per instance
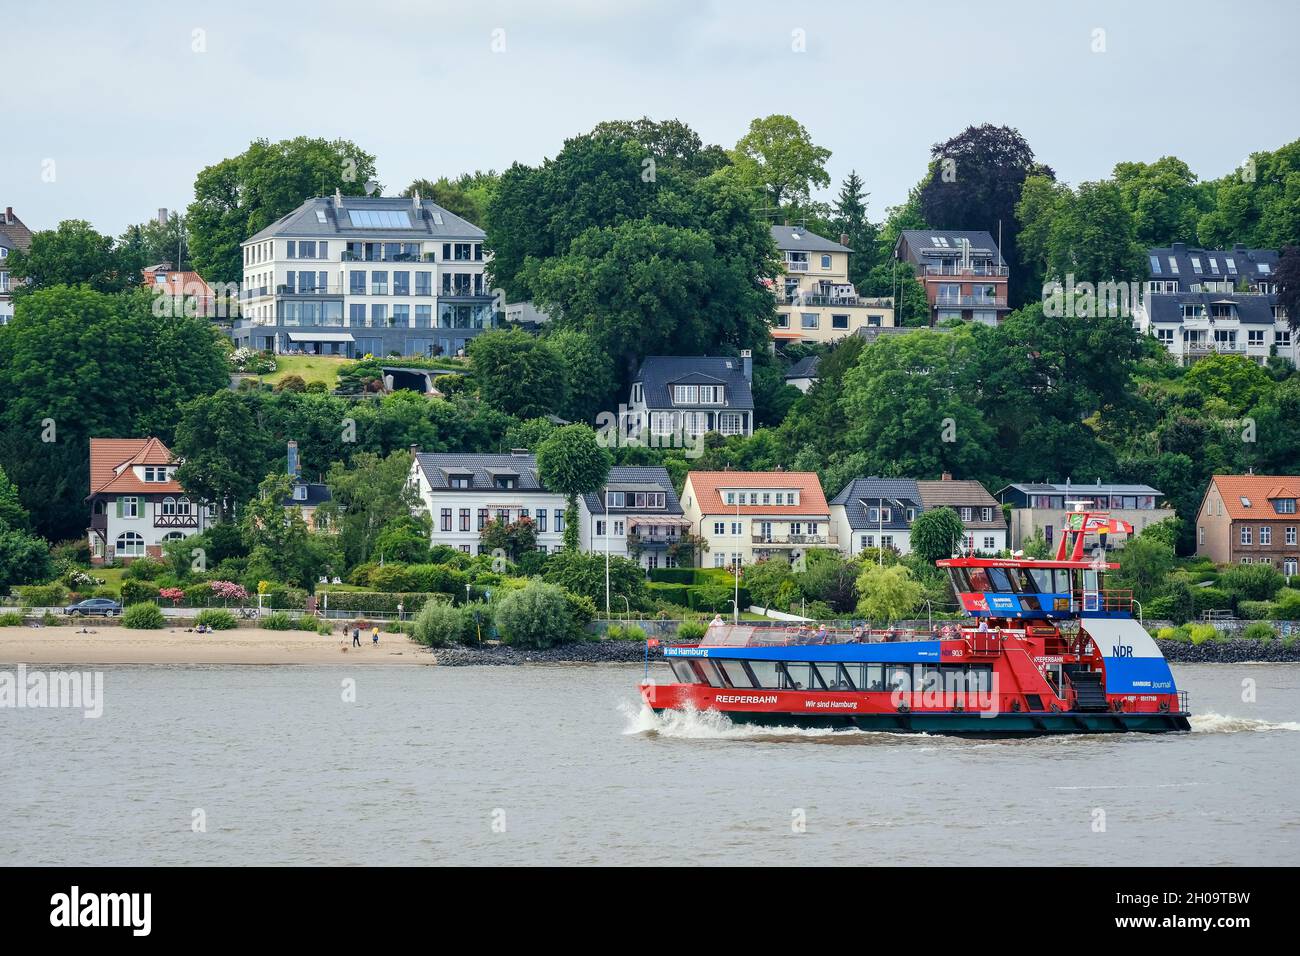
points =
(1048, 649)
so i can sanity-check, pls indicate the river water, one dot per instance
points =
(559, 764)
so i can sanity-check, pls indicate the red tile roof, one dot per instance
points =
(110, 459)
(1257, 489)
(179, 283)
(706, 485)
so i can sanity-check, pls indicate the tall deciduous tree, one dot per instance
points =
(572, 462)
(237, 197)
(1288, 285)
(224, 448)
(778, 155)
(888, 593)
(936, 534)
(518, 373)
(366, 497)
(73, 254)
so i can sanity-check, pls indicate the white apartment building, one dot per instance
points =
(1192, 325)
(636, 515)
(351, 275)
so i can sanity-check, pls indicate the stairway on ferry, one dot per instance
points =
(1088, 690)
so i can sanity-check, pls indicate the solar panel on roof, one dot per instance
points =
(380, 218)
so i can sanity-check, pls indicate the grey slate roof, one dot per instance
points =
(317, 494)
(798, 239)
(659, 372)
(481, 469)
(1251, 309)
(304, 222)
(1078, 492)
(1246, 261)
(920, 242)
(623, 477)
(852, 497)
(804, 368)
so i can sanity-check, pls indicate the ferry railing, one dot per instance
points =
(1103, 600)
(1183, 705)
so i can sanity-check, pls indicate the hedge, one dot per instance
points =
(1255, 610)
(137, 591)
(672, 593)
(42, 595)
(1211, 599)
(697, 603)
(379, 602)
(672, 575)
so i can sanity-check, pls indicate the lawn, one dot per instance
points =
(312, 368)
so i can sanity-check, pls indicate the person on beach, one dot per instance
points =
(356, 636)
(374, 636)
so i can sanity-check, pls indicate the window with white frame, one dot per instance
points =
(128, 507)
(967, 514)
(1290, 535)
(729, 423)
(686, 394)
(986, 514)
(1245, 534)
(663, 423)
(1255, 337)
(129, 545)
(719, 528)
(990, 543)
(1265, 535)
(710, 394)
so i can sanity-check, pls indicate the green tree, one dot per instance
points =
(1144, 566)
(572, 462)
(936, 534)
(73, 254)
(778, 155)
(590, 381)
(584, 574)
(888, 593)
(366, 498)
(518, 373)
(223, 447)
(12, 513)
(1092, 237)
(238, 197)
(1234, 380)
(1162, 198)
(466, 196)
(671, 143)
(277, 537)
(1288, 285)
(849, 216)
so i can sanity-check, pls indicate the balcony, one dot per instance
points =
(254, 293)
(380, 257)
(970, 301)
(1202, 347)
(795, 539)
(659, 540)
(335, 289)
(464, 293)
(835, 301)
(175, 521)
(954, 270)
(791, 266)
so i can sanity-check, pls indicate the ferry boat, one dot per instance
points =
(1048, 649)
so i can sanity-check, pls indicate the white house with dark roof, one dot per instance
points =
(352, 275)
(875, 513)
(1184, 268)
(464, 492)
(1192, 325)
(637, 514)
(963, 272)
(816, 302)
(682, 395)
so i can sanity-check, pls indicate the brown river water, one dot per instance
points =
(561, 765)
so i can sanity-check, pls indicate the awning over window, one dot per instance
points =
(668, 520)
(320, 337)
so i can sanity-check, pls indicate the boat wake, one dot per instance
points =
(1224, 724)
(691, 724)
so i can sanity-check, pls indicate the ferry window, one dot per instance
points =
(714, 674)
(853, 674)
(899, 677)
(999, 579)
(1042, 579)
(959, 580)
(832, 677)
(979, 678)
(875, 677)
(765, 673)
(1021, 579)
(954, 679)
(796, 677)
(979, 581)
(735, 672)
(705, 674)
(1090, 582)
(927, 677)
(1063, 582)
(682, 671)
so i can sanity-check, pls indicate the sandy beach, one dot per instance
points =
(173, 645)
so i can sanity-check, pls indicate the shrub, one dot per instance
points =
(1200, 633)
(672, 575)
(1252, 582)
(11, 619)
(278, 621)
(691, 631)
(439, 624)
(428, 578)
(145, 616)
(392, 578)
(135, 591)
(1211, 599)
(216, 618)
(42, 595)
(673, 593)
(1167, 634)
(281, 598)
(634, 633)
(49, 619)
(535, 616)
(324, 629)
(306, 622)
(1255, 610)
(106, 592)
(1287, 605)
(1259, 631)
(376, 602)
(143, 569)
(582, 610)
(198, 595)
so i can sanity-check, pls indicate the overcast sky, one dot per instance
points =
(119, 101)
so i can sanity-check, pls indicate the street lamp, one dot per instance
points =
(607, 553)
(735, 569)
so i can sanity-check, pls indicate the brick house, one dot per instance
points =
(1250, 519)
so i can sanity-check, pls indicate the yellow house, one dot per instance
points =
(815, 301)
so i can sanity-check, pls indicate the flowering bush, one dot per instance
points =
(244, 359)
(172, 594)
(229, 591)
(79, 580)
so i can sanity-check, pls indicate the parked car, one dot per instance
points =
(100, 607)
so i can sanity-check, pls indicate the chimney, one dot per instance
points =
(947, 476)
(844, 238)
(519, 452)
(295, 467)
(415, 450)
(9, 215)
(1179, 247)
(415, 203)
(747, 364)
(162, 216)
(338, 198)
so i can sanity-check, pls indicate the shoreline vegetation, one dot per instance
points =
(170, 646)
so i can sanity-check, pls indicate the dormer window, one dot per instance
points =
(299, 492)
(1284, 506)
(505, 482)
(460, 481)
(152, 474)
